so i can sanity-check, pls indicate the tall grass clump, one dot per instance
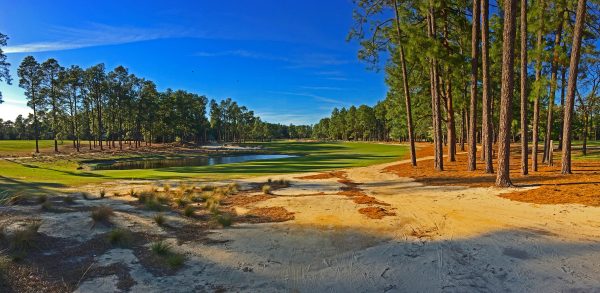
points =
(189, 211)
(120, 237)
(266, 189)
(102, 214)
(24, 239)
(166, 253)
(102, 193)
(224, 219)
(160, 219)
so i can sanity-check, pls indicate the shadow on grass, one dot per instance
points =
(28, 188)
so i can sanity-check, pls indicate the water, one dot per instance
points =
(181, 162)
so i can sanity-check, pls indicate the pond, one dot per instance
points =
(128, 164)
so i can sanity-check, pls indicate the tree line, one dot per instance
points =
(451, 66)
(110, 109)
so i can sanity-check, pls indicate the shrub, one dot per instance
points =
(68, 200)
(42, 198)
(266, 189)
(7, 198)
(175, 260)
(182, 202)
(160, 219)
(153, 204)
(102, 214)
(102, 193)
(47, 206)
(225, 220)
(24, 239)
(189, 211)
(120, 237)
(161, 248)
(232, 188)
(165, 251)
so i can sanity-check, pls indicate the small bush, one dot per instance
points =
(232, 188)
(182, 202)
(161, 248)
(175, 260)
(68, 200)
(120, 237)
(102, 214)
(266, 189)
(225, 220)
(102, 193)
(153, 204)
(47, 206)
(42, 198)
(164, 250)
(189, 211)
(24, 239)
(160, 219)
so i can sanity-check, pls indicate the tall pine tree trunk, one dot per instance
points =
(570, 100)
(524, 143)
(506, 92)
(538, 76)
(409, 123)
(553, 86)
(486, 124)
(472, 154)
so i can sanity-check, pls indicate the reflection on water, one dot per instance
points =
(181, 162)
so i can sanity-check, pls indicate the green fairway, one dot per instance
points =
(12, 147)
(39, 175)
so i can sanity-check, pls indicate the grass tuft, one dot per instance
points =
(120, 237)
(164, 251)
(24, 239)
(161, 248)
(42, 198)
(189, 211)
(160, 219)
(266, 189)
(102, 214)
(69, 200)
(102, 193)
(224, 219)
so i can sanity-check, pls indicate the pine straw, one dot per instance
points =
(270, 215)
(375, 212)
(582, 187)
(327, 175)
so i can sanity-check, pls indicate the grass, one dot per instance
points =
(120, 237)
(224, 219)
(44, 176)
(24, 239)
(160, 219)
(266, 189)
(189, 211)
(24, 146)
(164, 251)
(102, 214)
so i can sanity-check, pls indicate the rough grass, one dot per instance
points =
(164, 251)
(189, 211)
(120, 237)
(102, 214)
(266, 189)
(224, 219)
(24, 239)
(160, 219)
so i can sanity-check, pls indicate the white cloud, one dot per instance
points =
(310, 95)
(97, 35)
(11, 108)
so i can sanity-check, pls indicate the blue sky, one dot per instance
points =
(287, 60)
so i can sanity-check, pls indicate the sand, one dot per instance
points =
(439, 239)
